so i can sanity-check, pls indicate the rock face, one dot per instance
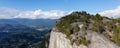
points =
(99, 41)
(59, 40)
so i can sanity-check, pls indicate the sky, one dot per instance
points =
(54, 9)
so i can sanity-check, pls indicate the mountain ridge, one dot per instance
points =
(35, 23)
(78, 26)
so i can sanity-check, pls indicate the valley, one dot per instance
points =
(24, 33)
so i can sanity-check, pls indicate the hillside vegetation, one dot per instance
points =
(21, 36)
(73, 24)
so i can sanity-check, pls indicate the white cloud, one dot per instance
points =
(115, 13)
(8, 13)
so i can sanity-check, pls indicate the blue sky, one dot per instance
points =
(67, 5)
(91, 6)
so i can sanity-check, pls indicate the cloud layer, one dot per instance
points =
(114, 13)
(8, 13)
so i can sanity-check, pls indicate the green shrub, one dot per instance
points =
(82, 41)
(76, 28)
(116, 35)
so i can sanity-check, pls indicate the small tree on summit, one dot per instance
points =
(98, 17)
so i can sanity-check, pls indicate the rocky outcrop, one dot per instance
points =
(99, 41)
(59, 40)
(82, 30)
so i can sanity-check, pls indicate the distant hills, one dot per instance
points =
(34, 23)
(8, 29)
(23, 40)
(24, 33)
(15, 28)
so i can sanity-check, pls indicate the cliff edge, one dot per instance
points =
(82, 30)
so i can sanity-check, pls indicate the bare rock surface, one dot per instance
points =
(59, 40)
(99, 41)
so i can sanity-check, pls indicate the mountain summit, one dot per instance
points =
(83, 30)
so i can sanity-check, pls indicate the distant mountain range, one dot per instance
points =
(24, 33)
(8, 29)
(35, 23)
(15, 28)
